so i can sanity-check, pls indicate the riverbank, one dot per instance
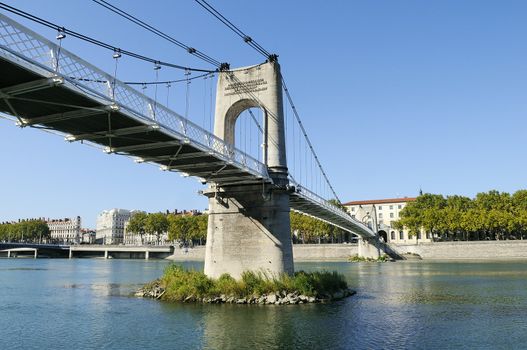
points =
(472, 250)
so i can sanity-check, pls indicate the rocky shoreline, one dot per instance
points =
(156, 291)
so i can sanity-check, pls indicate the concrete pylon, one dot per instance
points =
(369, 248)
(249, 225)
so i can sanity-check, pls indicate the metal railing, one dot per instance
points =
(48, 59)
(321, 202)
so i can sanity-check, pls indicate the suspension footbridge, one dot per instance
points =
(46, 86)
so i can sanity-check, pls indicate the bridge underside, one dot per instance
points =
(54, 103)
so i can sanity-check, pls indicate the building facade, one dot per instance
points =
(381, 213)
(67, 231)
(110, 226)
(87, 236)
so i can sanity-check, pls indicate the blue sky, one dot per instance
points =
(396, 96)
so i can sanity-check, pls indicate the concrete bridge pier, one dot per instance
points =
(369, 248)
(249, 225)
(248, 230)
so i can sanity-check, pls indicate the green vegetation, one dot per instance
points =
(187, 228)
(180, 284)
(192, 229)
(26, 231)
(491, 215)
(357, 258)
(183, 228)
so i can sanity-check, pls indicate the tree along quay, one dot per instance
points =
(490, 215)
(180, 285)
(192, 230)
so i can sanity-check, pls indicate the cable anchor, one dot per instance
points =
(272, 58)
(116, 53)
(61, 33)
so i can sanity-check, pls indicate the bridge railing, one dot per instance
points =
(306, 193)
(54, 61)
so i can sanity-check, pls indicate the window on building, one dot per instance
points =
(399, 206)
(391, 215)
(381, 222)
(401, 235)
(418, 235)
(380, 215)
(391, 207)
(428, 235)
(380, 207)
(392, 235)
(352, 208)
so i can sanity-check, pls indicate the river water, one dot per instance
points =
(85, 304)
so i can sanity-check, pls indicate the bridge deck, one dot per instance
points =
(304, 201)
(86, 104)
(48, 87)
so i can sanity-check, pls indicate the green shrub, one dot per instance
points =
(227, 285)
(180, 284)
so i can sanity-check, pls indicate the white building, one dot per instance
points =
(87, 236)
(382, 212)
(66, 230)
(110, 226)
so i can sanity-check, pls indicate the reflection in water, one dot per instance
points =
(86, 303)
(266, 327)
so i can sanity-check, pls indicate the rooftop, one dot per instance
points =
(381, 201)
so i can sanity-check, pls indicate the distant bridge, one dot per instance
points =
(84, 251)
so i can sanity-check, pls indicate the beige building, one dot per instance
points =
(381, 213)
(65, 230)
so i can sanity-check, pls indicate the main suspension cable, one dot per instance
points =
(159, 33)
(96, 42)
(246, 38)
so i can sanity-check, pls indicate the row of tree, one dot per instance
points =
(24, 231)
(489, 216)
(189, 229)
(182, 228)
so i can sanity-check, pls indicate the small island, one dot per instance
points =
(180, 285)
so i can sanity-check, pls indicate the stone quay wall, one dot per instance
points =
(301, 252)
(485, 250)
(324, 252)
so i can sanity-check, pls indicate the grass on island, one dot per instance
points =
(357, 258)
(180, 283)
